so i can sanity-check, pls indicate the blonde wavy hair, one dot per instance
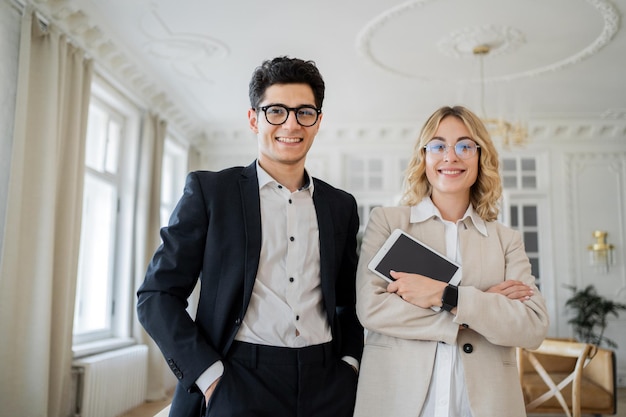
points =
(485, 193)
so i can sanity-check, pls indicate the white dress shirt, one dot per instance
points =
(447, 394)
(287, 288)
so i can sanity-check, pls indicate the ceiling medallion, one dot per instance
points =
(501, 40)
(507, 39)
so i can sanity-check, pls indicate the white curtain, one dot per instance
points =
(40, 251)
(147, 234)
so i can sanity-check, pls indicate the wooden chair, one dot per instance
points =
(567, 377)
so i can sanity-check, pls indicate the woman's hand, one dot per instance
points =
(513, 289)
(417, 289)
(427, 292)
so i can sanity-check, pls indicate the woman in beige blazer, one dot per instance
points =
(458, 361)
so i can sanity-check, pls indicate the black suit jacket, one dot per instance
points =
(214, 234)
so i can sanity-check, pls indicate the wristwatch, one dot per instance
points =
(450, 297)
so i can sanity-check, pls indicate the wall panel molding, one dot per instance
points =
(596, 198)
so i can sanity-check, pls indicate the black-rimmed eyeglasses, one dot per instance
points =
(277, 114)
(464, 149)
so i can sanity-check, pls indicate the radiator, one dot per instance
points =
(111, 383)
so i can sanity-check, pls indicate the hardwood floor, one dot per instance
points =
(152, 408)
(148, 409)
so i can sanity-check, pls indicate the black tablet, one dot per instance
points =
(403, 253)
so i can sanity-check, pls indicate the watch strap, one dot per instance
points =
(450, 297)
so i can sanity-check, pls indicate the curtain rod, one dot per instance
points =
(22, 5)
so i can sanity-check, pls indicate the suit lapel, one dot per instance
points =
(249, 189)
(327, 246)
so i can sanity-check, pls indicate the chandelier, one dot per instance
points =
(511, 134)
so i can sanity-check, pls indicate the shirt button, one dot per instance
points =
(291, 279)
(292, 238)
(468, 348)
(290, 201)
(297, 318)
(280, 186)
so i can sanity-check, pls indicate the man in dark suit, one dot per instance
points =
(275, 332)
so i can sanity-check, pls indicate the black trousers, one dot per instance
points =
(267, 381)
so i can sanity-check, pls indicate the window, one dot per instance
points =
(374, 181)
(364, 208)
(526, 210)
(365, 174)
(523, 217)
(403, 166)
(103, 305)
(99, 219)
(172, 176)
(519, 173)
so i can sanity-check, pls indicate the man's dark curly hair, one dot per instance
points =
(285, 70)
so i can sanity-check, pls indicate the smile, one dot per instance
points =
(289, 140)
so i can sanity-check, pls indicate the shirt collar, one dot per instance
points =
(265, 178)
(426, 209)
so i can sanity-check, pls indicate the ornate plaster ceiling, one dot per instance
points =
(390, 62)
(406, 26)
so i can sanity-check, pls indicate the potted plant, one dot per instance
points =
(591, 311)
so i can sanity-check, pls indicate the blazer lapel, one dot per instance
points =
(327, 247)
(249, 189)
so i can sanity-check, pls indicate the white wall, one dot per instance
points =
(591, 196)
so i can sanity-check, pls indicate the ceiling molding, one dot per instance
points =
(538, 131)
(105, 52)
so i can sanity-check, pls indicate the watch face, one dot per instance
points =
(450, 297)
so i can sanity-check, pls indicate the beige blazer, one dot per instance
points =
(402, 338)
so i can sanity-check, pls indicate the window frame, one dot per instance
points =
(539, 197)
(119, 333)
(175, 151)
